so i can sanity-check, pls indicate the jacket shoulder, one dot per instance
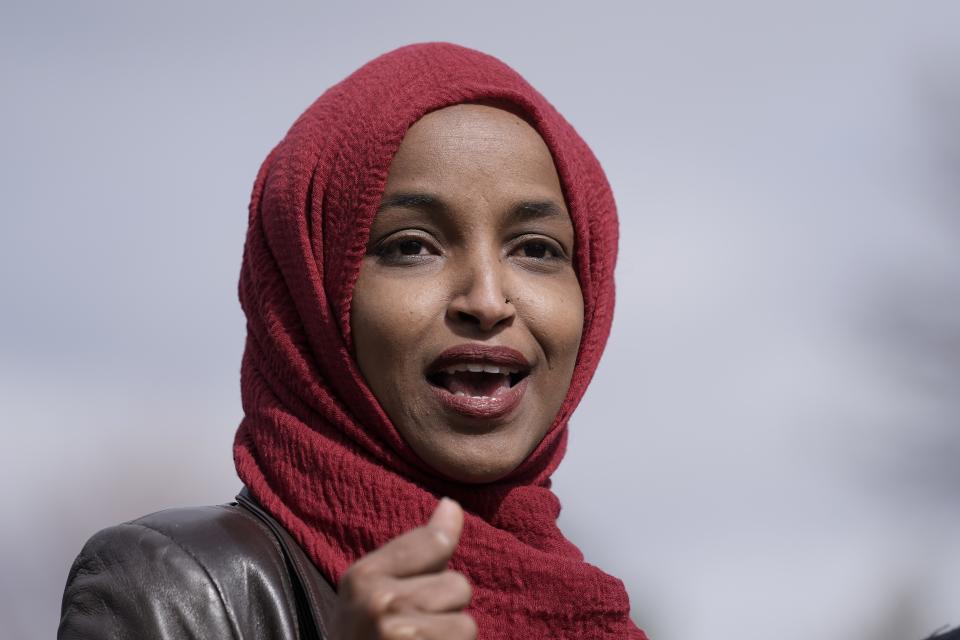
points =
(198, 572)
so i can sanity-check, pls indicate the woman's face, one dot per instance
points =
(467, 312)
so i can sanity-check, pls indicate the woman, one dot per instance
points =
(428, 285)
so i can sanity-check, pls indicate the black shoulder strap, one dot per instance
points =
(315, 597)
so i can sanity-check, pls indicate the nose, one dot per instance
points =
(479, 300)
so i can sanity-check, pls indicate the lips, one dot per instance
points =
(479, 381)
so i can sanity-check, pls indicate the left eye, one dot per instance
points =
(538, 249)
(535, 249)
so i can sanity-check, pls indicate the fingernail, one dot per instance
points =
(440, 517)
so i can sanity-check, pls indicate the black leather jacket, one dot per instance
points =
(225, 571)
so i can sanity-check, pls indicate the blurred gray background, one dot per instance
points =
(771, 448)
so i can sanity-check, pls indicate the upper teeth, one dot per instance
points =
(476, 367)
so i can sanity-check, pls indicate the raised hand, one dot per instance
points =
(403, 590)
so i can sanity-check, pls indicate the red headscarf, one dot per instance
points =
(315, 447)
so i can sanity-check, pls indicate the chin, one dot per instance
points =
(478, 460)
(477, 474)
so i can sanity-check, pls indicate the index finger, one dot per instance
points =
(426, 549)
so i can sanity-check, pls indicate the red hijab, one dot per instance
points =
(315, 447)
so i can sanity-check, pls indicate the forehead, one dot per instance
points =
(469, 146)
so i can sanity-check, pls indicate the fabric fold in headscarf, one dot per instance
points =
(314, 446)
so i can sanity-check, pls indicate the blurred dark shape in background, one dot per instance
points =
(917, 322)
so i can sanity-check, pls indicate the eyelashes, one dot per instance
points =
(407, 248)
(537, 247)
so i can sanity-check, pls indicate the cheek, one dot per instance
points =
(554, 313)
(389, 318)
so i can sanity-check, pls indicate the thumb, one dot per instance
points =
(447, 520)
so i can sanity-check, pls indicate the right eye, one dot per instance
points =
(409, 247)
(405, 249)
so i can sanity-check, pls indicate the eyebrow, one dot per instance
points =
(536, 209)
(525, 210)
(412, 201)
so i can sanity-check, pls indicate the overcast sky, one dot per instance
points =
(770, 446)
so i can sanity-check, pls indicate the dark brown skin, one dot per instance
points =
(482, 163)
(484, 258)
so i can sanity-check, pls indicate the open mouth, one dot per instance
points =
(477, 379)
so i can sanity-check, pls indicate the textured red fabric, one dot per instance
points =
(315, 447)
